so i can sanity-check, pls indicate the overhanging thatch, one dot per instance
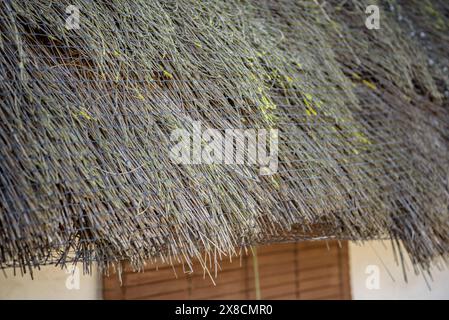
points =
(86, 117)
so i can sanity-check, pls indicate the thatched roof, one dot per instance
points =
(86, 116)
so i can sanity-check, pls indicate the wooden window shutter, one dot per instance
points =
(306, 270)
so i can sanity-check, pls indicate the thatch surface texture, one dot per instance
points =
(86, 117)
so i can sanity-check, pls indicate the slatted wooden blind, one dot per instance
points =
(306, 270)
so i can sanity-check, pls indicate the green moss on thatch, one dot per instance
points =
(86, 117)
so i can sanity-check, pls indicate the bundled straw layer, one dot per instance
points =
(86, 117)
